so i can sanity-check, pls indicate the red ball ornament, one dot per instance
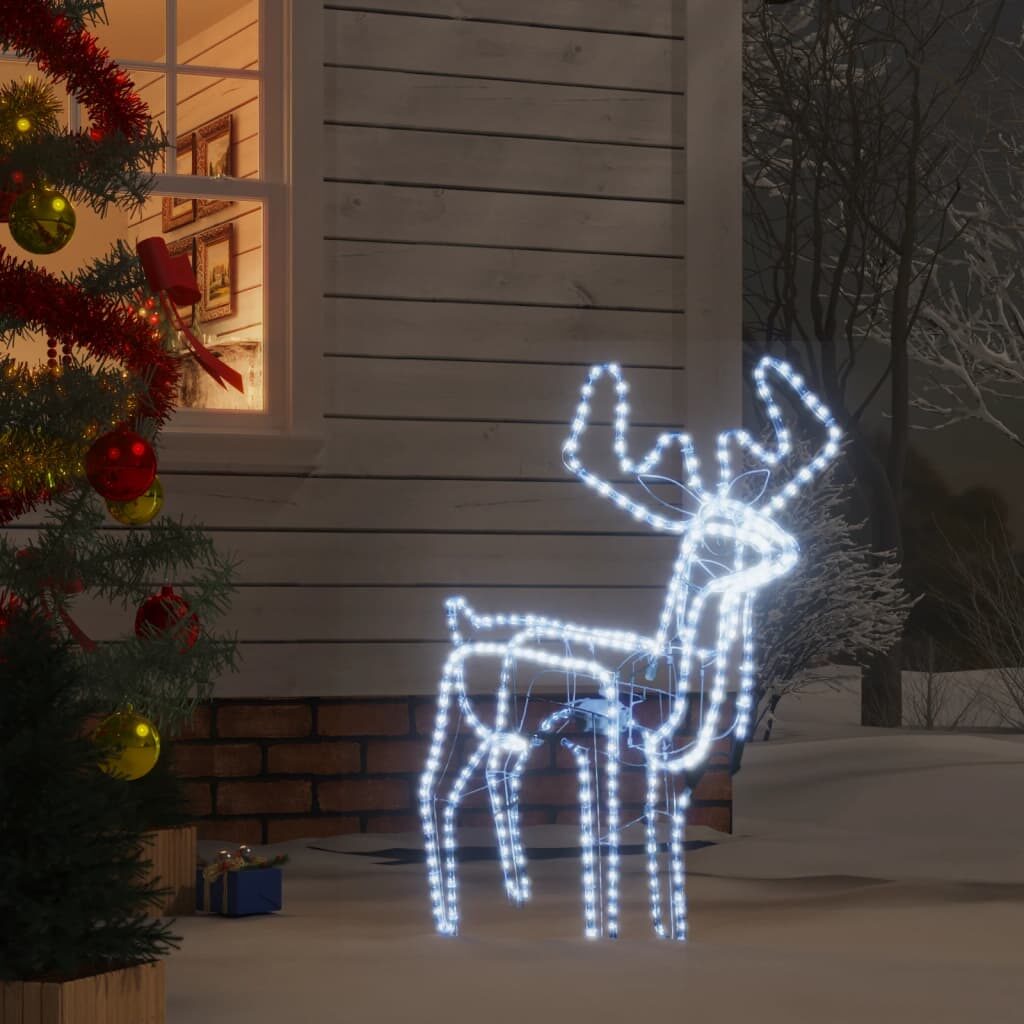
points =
(121, 465)
(167, 611)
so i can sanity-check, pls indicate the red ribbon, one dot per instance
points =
(173, 279)
(70, 586)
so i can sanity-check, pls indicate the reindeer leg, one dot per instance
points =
(681, 802)
(651, 812)
(610, 691)
(428, 797)
(590, 872)
(449, 838)
(503, 786)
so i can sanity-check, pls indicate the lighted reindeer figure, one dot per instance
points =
(728, 550)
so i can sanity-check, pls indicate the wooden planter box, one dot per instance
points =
(135, 995)
(173, 854)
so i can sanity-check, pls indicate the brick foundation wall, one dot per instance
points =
(265, 771)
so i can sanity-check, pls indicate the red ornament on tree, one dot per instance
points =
(121, 465)
(167, 611)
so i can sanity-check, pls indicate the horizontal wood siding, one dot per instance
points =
(504, 205)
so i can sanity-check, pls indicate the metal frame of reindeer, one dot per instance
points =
(729, 549)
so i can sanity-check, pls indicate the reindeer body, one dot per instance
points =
(700, 578)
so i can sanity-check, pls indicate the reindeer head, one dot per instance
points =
(717, 514)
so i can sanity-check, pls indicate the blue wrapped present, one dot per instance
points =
(238, 886)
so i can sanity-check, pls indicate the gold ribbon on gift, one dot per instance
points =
(227, 861)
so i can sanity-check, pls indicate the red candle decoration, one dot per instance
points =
(121, 465)
(167, 611)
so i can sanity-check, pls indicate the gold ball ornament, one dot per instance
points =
(144, 509)
(132, 741)
(41, 221)
(23, 124)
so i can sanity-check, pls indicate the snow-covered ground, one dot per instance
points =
(873, 877)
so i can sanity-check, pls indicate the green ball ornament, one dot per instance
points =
(144, 509)
(42, 221)
(131, 742)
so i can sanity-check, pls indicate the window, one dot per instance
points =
(219, 77)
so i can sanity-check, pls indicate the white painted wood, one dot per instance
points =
(499, 391)
(510, 108)
(388, 269)
(502, 218)
(651, 17)
(714, 217)
(454, 561)
(490, 162)
(377, 615)
(478, 448)
(281, 503)
(365, 326)
(526, 53)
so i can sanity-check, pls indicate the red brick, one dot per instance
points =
(198, 726)
(291, 796)
(232, 830)
(280, 830)
(536, 816)
(553, 790)
(714, 786)
(313, 758)
(396, 755)
(198, 798)
(257, 721)
(718, 818)
(721, 753)
(219, 760)
(425, 715)
(364, 718)
(364, 795)
(393, 823)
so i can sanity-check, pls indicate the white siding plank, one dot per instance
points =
(489, 162)
(385, 269)
(653, 17)
(311, 503)
(459, 330)
(503, 218)
(387, 447)
(520, 52)
(504, 108)
(454, 561)
(500, 391)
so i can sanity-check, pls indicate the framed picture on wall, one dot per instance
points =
(179, 211)
(214, 159)
(215, 256)
(185, 247)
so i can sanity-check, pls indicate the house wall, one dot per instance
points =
(508, 199)
(506, 202)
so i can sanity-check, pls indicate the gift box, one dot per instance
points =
(239, 893)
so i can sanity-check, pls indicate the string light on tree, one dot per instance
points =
(729, 549)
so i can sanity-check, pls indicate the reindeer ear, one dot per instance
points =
(749, 487)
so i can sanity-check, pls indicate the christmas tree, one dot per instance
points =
(79, 434)
(72, 894)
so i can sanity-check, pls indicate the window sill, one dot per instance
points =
(202, 451)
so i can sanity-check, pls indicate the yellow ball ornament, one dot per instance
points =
(132, 741)
(41, 221)
(23, 124)
(144, 509)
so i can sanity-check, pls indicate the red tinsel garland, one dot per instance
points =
(104, 328)
(31, 29)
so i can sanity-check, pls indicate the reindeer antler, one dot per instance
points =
(771, 456)
(627, 465)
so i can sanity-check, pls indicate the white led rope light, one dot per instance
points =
(761, 552)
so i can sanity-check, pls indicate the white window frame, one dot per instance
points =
(288, 433)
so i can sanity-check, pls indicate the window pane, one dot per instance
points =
(229, 317)
(222, 115)
(134, 29)
(219, 33)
